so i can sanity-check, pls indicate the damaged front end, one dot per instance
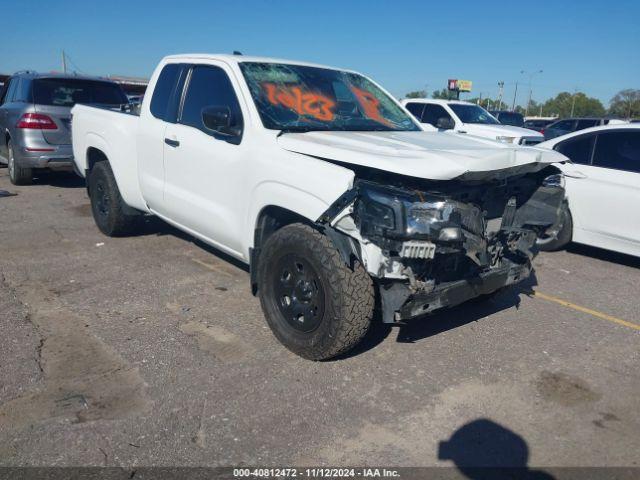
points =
(430, 245)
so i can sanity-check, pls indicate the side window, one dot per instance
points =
(10, 90)
(163, 103)
(618, 150)
(433, 112)
(564, 125)
(415, 109)
(582, 124)
(209, 86)
(23, 91)
(578, 149)
(3, 92)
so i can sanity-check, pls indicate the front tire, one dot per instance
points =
(562, 238)
(107, 205)
(315, 305)
(18, 175)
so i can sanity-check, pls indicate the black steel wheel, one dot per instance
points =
(314, 303)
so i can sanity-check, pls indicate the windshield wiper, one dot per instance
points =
(300, 129)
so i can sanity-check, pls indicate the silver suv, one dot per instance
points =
(35, 119)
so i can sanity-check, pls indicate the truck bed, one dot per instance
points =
(114, 132)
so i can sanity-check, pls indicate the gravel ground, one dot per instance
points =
(151, 350)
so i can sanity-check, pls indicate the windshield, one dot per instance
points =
(473, 114)
(300, 98)
(66, 92)
(511, 118)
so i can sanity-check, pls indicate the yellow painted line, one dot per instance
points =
(589, 311)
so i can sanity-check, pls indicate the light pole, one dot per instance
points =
(531, 75)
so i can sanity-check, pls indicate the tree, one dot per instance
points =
(416, 94)
(577, 104)
(443, 94)
(625, 103)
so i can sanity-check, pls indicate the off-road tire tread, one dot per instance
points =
(120, 224)
(351, 291)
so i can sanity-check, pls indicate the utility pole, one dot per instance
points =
(515, 94)
(573, 101)
(531, 75)
(479, 102)
(64, 62)
(500, 88)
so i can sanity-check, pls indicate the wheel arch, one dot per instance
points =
(270, 219)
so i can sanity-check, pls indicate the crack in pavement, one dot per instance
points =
(84, 378)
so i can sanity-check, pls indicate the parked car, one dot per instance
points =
(323, 184)
(603, 189)
(568, 125)
(538, 124)
(35, 111)
(506, 117)
(465, 117)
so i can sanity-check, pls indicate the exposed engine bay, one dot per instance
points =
(433, 244)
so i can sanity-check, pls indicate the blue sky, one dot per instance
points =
(405, 45)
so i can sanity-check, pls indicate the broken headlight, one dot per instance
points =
(444, 220)
(380, 211)
(393, 213)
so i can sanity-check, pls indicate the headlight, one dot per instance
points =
(505, 139)
(556, 180)
(391, 213)
(378, 214)
(380, 211)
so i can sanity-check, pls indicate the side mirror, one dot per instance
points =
(445, 123)
(218, 119)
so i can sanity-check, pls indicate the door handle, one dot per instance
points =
(172, 143)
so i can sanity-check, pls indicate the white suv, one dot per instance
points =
(465, 117)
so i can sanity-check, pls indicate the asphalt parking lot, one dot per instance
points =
(151, 350)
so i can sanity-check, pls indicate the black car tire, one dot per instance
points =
(18, 175)
(107, 205)
(562, 238)
(314, 303)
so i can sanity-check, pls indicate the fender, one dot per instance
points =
(301, 202)
(126, 177)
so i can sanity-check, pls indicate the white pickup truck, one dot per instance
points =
(464, 117)
(325, 185)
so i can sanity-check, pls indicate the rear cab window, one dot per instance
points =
(66, 92)
(165, 99)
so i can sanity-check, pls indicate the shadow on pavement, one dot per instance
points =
(58, 179)
(606, 255)
(484, 449)
(156, 226)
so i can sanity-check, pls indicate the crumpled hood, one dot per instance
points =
(434, 156)
(493, 131)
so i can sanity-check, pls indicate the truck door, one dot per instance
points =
(205, 171)
(162, 111)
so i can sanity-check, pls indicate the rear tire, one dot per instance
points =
(107, 205)
(18, 175)
(315, 305)
(564, 235)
